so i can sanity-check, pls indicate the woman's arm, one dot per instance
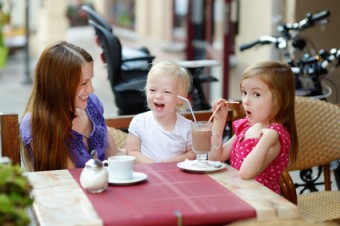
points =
(266, 150)
(133, 148)
(70, 164)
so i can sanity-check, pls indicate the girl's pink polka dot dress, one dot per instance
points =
(270, 177)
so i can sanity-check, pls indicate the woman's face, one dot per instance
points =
(85, 87)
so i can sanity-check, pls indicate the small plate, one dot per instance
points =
(188, 165)
(136, 177)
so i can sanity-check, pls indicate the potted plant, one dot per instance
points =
(15, 196)
(3, 48)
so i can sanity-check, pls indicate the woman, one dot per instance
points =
(63, 120)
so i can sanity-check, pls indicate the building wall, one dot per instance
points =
(154, 19)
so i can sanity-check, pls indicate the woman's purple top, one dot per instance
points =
(79, 154)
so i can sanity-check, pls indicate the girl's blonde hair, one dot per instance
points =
(281, 81)
(171, 68)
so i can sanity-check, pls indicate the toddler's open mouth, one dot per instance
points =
(159, 106)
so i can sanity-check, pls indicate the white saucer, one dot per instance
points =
(189, 165)
(136, 177)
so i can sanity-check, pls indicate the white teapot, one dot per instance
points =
(94, 177)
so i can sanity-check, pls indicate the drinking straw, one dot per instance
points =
(211, 117)
(218, 106)
(188, 102)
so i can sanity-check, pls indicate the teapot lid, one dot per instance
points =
(94, 162)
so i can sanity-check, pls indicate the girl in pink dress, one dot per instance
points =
(265, 141)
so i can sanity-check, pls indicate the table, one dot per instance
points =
(60, 200)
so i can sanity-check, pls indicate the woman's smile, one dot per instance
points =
(84, 98)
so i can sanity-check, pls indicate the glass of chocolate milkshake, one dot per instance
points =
(202, 137)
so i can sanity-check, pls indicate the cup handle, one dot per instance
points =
(219, 141)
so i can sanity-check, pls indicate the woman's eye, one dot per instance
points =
(257, 94)
(85, 82)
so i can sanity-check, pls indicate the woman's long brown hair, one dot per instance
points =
(52, 104)
(281, 81)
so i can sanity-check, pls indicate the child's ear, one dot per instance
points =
(181, 107)
(182, 104)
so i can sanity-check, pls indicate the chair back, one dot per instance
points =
(112, 51)
(9, 137)
(131, 57)
(94, 16)
(318, 128)
(128, 93)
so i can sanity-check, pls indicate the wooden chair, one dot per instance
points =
(318, 128)
(9, 136)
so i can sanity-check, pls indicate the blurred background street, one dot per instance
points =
(14, 93)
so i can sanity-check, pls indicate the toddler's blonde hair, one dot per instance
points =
(172, 68)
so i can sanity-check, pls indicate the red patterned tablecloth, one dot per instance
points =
(169, 196)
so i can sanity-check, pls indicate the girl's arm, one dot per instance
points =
(133, 148)
(189, 154)
(222, 152)
(111, 148)
(266, 150)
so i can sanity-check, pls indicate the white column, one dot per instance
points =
(52, 23)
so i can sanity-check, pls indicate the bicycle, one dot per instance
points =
(317, 67)
(293, 46)
(290, 41)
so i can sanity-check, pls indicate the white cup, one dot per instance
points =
(120, 167)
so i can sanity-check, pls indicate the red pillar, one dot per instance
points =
(190, 34)
(226, 48)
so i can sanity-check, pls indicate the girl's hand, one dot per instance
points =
(222, 112)
(221, 106)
